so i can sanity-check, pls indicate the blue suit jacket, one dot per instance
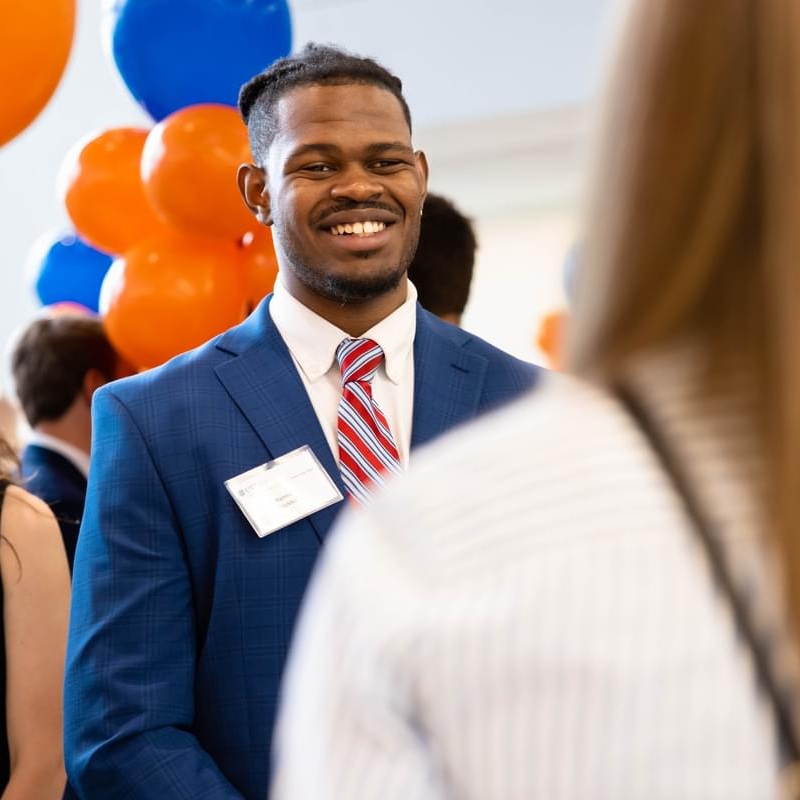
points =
(181, 615)
(58, 482)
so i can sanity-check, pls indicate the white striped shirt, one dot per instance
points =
(531, 615)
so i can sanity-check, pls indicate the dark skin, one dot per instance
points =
(341, 160)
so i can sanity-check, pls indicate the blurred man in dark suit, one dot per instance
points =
(57, 363)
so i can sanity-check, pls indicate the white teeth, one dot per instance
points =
(358, 228)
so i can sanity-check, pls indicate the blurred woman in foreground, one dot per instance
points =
(596, 593)
(35, 606)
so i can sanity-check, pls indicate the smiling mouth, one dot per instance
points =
(360, 229)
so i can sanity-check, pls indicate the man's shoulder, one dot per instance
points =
(48, 474)
(31, 455)
(193, 372)
(178, 382)
(35, 465)
(37, 458)
(497, 360)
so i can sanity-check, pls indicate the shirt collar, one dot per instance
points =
(77, 457)
(313, 340)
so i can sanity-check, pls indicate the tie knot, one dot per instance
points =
(358, 359)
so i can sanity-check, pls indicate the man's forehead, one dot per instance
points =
(337, 103)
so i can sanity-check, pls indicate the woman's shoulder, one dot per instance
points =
(26, 517)
(31, 548)
(562, 420)
(22, 506)
(562, 465)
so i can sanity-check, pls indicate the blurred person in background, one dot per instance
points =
(596, 593)
(58, 362)
(441, 269)
(34, 604)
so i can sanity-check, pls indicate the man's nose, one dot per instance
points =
(356, 183)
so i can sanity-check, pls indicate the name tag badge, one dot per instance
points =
(275, 494)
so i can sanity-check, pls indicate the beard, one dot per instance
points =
(349, 289)
(355, 288)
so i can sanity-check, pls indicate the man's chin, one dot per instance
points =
(362, 288)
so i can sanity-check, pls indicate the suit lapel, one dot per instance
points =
(448, 382)
(264, 384)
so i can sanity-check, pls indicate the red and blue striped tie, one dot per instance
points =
(367, 451)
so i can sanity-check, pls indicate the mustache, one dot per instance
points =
(349, 205)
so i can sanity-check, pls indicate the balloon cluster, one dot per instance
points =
(187, 259)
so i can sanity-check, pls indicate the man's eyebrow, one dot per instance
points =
(383, 147)
(314, 147)
(376, 148)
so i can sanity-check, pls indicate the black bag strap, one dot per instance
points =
(790, 746)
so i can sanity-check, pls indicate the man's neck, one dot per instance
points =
(70, 434)
(353, 318)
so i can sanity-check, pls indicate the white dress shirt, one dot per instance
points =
(77, 457)
(312, 342)
(530, 616)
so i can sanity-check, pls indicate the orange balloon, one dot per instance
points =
(189, 169)
(102, 190)
(169, 295)
(260, 266)
(35, 42)
(550, 337)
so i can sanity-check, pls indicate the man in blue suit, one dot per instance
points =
(184, 597)
(58, 362)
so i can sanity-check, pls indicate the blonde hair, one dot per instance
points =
(8, 463)
(9, 423)
(693, 227)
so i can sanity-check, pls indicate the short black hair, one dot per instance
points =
(314, 65)
(50, 359)
(443, 264)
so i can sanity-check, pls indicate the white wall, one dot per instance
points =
(497, 91)
(469, 59)
(518, 278)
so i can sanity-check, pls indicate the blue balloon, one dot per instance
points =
(177, 53)
(67, 270)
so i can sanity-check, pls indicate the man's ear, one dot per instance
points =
(422, 168)
(92, 381)
(252, 182)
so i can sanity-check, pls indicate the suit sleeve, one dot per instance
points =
(348, 727)
(129, 691)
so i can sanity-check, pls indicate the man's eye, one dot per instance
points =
(317, 168)
(386, 163)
